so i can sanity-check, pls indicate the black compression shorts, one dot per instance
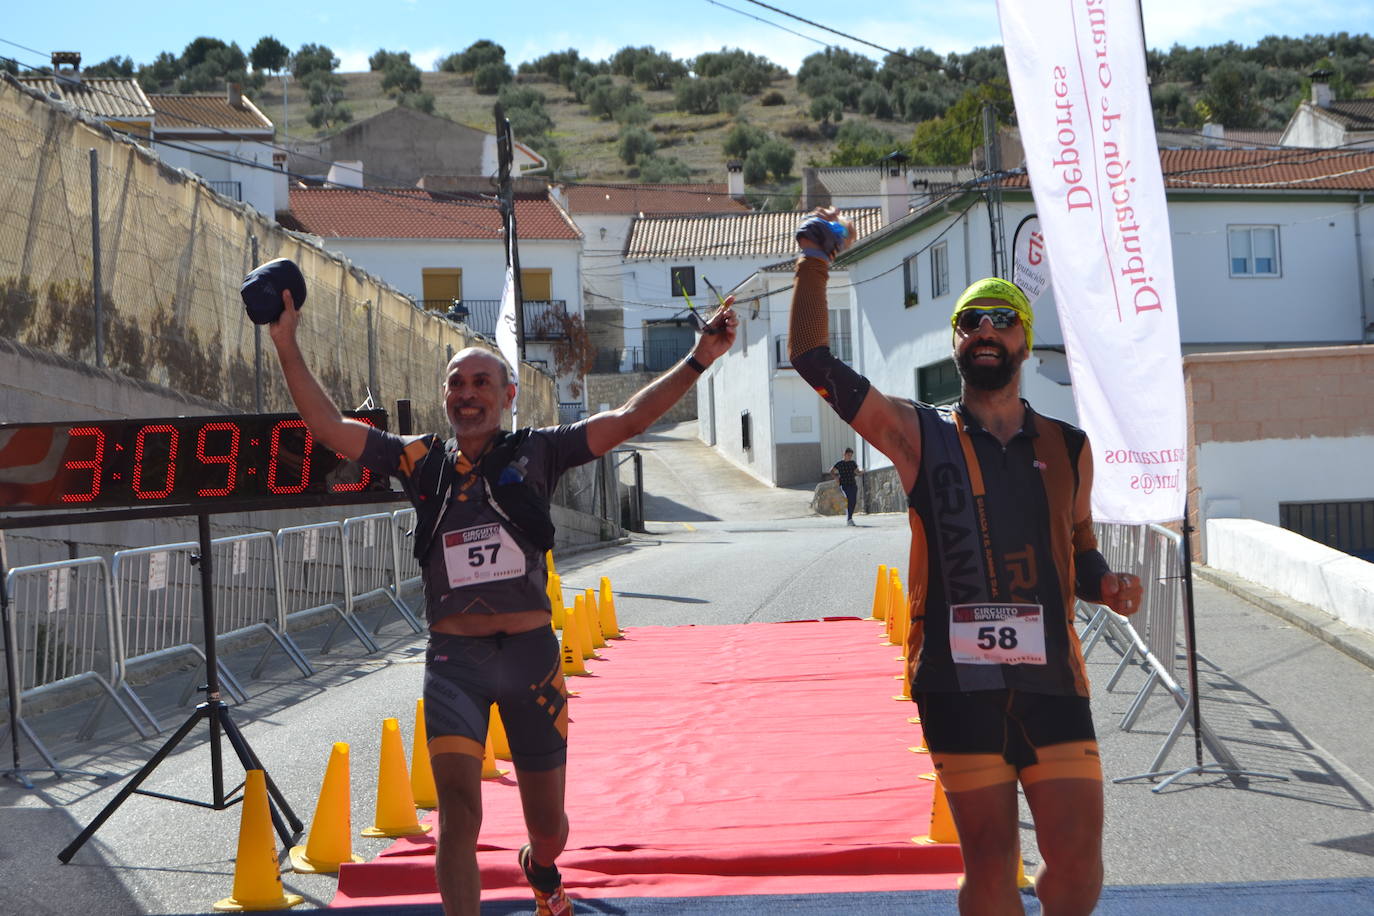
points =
(984, 738)
(522, 674)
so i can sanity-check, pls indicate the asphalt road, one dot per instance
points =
(721, 548)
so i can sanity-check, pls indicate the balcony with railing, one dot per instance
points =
(839, 345)
(543, 317)
(653, 358)
(230, 189)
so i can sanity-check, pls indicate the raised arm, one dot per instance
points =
(888, 424)
(317, 409)
(608, 429)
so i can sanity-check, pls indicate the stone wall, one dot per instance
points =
(614, 389)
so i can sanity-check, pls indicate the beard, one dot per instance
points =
(985, 376)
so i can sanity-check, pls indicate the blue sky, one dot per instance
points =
(597, 28)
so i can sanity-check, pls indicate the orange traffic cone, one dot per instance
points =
(895, 603)
(942, 829)
(330, 842)
(610, 627)
(598, 638)
(422, 788)
(395, 813)
(257, 880)
(584, 623)
(496, 729)
(489, 768)
(880, 596)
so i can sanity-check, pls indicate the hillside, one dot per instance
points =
(590, 143)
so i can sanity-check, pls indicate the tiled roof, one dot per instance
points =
(1287, 168)
(1356, 113)
(103, 97)
(850, 181)
(192, 112)
(652, 198)
(771, 235)
(1231, 138)
(404, 213)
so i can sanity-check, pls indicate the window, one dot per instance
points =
(441, 286)
(536, 284)
(1254, 251)
(683, 281)
(911, 295)
(746, 437)
(839, 334)
(939, 270)
(938, 383)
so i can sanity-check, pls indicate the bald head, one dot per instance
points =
(472, 357)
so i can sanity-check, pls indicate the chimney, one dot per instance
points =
(1213, 134)
(1321, 88)
(893, 187)
(734, 178)
(235, 96)
(73, 60)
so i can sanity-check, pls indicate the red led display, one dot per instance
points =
(175, 460)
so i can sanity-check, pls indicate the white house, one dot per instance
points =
(671, 261)
(445, 251)
(604, 212)
(1272, 249)
(1326, 123)
(227, 141)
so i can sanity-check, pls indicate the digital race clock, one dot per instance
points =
(175, 460)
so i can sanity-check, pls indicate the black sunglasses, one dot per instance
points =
(969, 319)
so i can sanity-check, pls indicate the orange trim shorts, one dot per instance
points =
(521, 673)
(986, 738)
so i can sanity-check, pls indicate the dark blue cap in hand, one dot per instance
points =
(262, 289)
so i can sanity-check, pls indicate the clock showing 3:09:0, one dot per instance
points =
(175, 460)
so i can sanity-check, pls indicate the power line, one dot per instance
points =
(825, 28)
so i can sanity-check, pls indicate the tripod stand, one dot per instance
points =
(19, 773)
(216, 714)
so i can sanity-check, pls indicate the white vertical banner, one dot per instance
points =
(506, 340)
(1077, 72)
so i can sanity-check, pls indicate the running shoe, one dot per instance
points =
(546, 903)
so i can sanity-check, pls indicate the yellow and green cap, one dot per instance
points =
(997, 288)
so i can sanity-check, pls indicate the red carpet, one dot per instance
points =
(751, 759)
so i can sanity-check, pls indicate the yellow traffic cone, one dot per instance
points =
(895, 602)
(422, 788)
(395, 813)
(257, 880)
(584, 623)
(330, 842)
(610, 627)
(598, 638)
(548, 561)
(572, 648)
(489, 768)
(556, 600)
(1023, 881)
(942, 829)
(496, 730)
(880, 596)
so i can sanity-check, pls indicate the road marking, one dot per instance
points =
(687, 526)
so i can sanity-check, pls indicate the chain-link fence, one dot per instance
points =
(111, 258)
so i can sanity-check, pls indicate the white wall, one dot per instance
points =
(1295, 566)
(258, 180)
(1250, 479)
(741, 383)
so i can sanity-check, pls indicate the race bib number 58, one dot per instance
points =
(997, 634)
(482, 553)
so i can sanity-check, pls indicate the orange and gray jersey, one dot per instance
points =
(992, 532)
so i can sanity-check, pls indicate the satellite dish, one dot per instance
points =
(1030, 267)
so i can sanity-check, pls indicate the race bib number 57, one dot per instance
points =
(997, 634)
(482, 553)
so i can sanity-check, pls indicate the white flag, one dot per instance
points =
(507, 341)
(1078, 77)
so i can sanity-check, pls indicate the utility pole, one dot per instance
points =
(992, 168)
(505, 159)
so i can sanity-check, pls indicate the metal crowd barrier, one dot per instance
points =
(312, 565)
(247, 590)
(370, 564)
(64, 630)
(157, 590)
(407, 567)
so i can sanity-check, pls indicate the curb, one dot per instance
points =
(1358, 644)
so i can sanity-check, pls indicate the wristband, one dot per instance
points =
(692, 361)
